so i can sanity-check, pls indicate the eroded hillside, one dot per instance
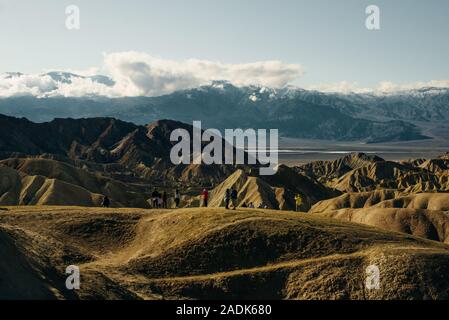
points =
(211, 253)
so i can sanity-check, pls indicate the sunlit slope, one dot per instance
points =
(211, 253)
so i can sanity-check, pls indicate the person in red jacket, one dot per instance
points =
(205, 196)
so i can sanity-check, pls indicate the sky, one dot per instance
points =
(153, 47)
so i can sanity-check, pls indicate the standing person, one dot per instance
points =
(105, 203)
(164, 200)
(205, 196)
(177, 198)
(251, 205)
(155, 196)
(159, 201)
(227, 198)
(234, 198)
(298, 201)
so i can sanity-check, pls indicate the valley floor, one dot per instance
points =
(295, 152)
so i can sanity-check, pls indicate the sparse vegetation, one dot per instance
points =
(211, 253)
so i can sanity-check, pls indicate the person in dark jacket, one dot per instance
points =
(227, 198)
(155, 197)
(177, 198)
(234, 195)
(105, 203)
(164, 200)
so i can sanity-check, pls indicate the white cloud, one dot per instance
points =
(140, 74)
(80, 87)
(18, 84)
(46, 85)
(388, 86)
(339, 87)
(383, 87)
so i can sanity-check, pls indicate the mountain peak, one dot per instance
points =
(363, 156)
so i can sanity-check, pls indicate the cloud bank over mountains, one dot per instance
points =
(140, 74)
(384, 87)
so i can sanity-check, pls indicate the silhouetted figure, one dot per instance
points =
(227, 198)
(177, 198)
(155, 197)
(105, 203)
(234, 198)
(164, 200)
(205, 196)
(244, 205)
(251, 205)
(159, 201)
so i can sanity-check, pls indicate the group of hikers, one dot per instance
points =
(160, 200)
(230, 198)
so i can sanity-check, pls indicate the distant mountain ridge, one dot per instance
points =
(106, 144)
(298, 113)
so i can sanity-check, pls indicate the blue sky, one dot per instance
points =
(328, 38)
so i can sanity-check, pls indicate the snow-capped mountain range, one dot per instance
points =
(47, 85)
(370, 117)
